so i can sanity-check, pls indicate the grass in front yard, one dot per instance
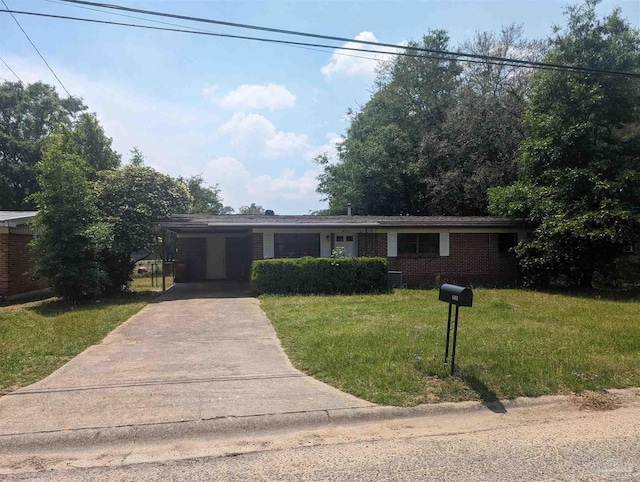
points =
(389, 348)
(38, 337)
(143, 283)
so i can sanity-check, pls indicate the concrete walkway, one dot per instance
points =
(196, 353)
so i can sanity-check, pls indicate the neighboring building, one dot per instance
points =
(16, 259)
(427, 250)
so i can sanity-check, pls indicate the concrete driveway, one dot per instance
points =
(196, 353)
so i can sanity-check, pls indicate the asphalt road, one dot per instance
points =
(557, 441)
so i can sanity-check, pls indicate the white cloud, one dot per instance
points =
(166, 132)
(253, 129)
(284, 193)
(357, 63)
(177, 140)
(330, 148)
(210, 91)
(250, 97)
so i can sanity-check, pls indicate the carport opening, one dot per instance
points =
(228, 257)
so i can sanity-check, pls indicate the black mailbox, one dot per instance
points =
(456, 295)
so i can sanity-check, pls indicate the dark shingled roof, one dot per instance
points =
(246, 220)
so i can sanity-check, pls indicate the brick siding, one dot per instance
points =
(257, 246)
(372, 244)
(473, 259)
(16, 261)
(194, 251)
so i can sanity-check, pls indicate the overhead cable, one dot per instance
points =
(441, 57)
(36, 48)
(12, 71)
(526, 63)
(160, 22)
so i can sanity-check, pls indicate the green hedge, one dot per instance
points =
(319, 275)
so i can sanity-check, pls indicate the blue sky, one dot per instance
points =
(249, 117)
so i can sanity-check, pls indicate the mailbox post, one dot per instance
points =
(458, 296)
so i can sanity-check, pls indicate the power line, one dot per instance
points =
(12, 71)
(243, 37)
(525, 63)
(36, 48)
(438, 56)
(324, 49)
(283, 42)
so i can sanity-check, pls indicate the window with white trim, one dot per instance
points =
(418, 244)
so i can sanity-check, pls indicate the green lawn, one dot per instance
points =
(38, 337)
(389, 349)
(143, 283)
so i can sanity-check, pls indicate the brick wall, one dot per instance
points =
(372, 244)
(16, 261)
(257, 246)
(4, 264)
(194, 250)
(473, 259)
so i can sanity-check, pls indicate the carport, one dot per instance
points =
(211, 253)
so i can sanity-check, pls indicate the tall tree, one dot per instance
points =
(130, 200)
(435, 135)
(205, 199)
(68, 239)
(253, 209)
(28, 115)
(89, 141)
(379, 170)
(137, 158)
(478, 143)
(579, 166)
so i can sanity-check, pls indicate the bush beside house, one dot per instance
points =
(319, 275)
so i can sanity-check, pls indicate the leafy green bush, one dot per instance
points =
(319, 275)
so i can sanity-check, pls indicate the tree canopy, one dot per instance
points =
(578, 176)
(435, 134)
(68, 242)
(205, 199)
(252, 209)
(28, 115)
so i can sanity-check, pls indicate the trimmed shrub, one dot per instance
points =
(319, 275)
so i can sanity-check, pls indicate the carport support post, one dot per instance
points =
(164, 255)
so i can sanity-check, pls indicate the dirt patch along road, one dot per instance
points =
(553, 438)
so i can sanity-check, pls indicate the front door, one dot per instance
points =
(346, 241)
(216, 257)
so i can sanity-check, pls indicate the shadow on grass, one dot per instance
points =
(488, 396)
(56, 306)
(26, 299)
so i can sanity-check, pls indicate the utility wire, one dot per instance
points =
(36, 48)
(526, 63)
(440, 57)
(12, 71)
(259, 39)
(323, 49)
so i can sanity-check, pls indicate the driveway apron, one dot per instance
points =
(198, 352)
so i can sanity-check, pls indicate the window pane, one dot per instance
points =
(349, 239)
(339, 239)
(429, 243)
(506, 241)
(407, 243)
(296, 245)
